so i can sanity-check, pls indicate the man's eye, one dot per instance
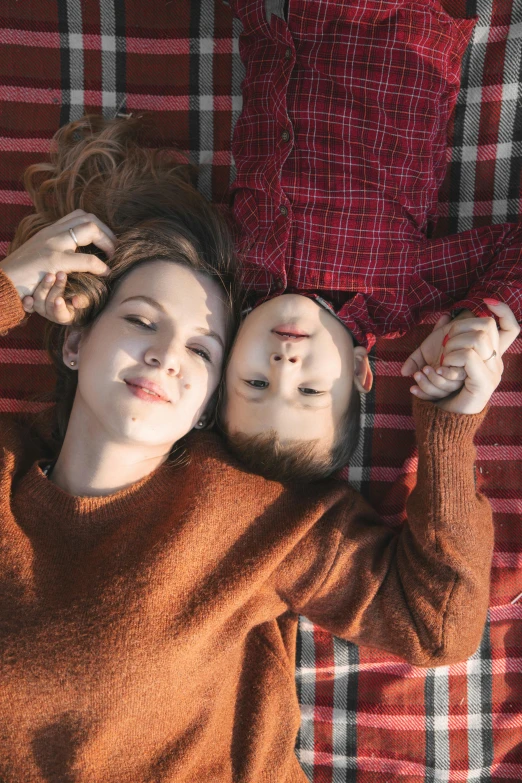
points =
(135, 319)
(257, 384)
(304, 390)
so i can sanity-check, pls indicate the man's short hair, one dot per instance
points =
(299, 460)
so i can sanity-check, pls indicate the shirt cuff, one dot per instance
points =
(477, 307)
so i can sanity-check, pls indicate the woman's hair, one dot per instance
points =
(149, 200)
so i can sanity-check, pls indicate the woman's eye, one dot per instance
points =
(257, 384)
(304, 390)
(135, 319)
(201, 352)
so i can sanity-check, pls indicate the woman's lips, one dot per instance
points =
(289, 332)
(146, 390)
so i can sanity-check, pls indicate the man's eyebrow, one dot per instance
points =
(148, 300)
(258, 399)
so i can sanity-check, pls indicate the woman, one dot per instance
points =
(148, 607)
(99, 177)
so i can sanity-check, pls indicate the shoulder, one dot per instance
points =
(216, 466)
(24, 438)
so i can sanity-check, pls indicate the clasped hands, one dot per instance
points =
(471, 350)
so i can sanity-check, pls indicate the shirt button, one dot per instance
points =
(285, 135)
(288, 54)
(283, 210)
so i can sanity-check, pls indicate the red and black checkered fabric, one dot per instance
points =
(366, 717)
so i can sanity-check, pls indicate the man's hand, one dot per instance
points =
(435, 382)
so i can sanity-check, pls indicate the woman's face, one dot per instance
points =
(150, 363)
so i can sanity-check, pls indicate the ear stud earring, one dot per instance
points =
(72, 364)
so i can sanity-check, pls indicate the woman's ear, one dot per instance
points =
(362, 374)
(71, 347)
(202, 422)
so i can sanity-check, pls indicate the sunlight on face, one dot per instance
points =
(290, 370)
(151, 361)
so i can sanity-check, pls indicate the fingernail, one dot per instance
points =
(445, 340)
(492, 301)
(413, 390)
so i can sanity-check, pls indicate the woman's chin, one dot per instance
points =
(135, 430)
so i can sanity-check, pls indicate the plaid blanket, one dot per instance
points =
(365, 716)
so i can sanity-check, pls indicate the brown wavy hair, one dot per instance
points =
(149, 200)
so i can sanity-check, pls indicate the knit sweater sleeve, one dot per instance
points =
(11, 311)
(421, 592)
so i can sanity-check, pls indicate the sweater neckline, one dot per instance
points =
(43, 494)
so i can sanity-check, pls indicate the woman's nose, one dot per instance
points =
(168, 359)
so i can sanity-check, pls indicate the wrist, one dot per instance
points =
(9, 271)
(463, 314)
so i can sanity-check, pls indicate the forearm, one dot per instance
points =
(437, 584)
(447, 545)
(464, 314)
(490, 259)
(420, 593)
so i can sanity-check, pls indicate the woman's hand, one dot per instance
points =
(476, 346)
(38, 269)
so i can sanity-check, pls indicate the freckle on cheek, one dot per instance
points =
(187, 386)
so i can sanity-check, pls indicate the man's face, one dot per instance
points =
(291, 370)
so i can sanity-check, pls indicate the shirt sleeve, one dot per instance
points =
(482, 262)
(421, 592)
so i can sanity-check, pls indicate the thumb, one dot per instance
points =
(443, 320)
(509, 328)
(413, 363)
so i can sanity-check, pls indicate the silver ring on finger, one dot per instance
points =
(491, 357)
(73, 237)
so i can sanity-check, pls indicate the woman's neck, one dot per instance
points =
(96, 465)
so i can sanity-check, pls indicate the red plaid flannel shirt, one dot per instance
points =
(340, 151)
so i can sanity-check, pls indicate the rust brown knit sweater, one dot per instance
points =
(149, 636)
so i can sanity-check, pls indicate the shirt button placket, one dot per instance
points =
(285, 135)
(283, 210)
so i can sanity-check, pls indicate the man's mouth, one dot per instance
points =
(289, 332)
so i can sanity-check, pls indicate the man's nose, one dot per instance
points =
(280, 359)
